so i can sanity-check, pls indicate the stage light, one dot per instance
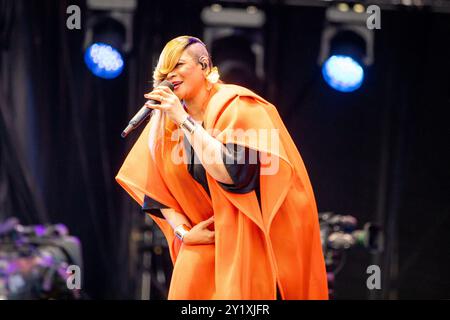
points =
(104, 61)
(252, 9)
(216, 7)
(343, 7)
(358, 8)
(236, 44)
(109, 36)
(346, 49)
(343, 73)
(103, 56)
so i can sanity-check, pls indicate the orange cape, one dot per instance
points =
(255, 247)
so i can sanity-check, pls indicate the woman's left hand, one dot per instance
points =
(200, 233)
(169, 103)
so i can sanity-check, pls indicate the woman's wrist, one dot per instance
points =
(189, 124)
(182, 118)
(181, 230)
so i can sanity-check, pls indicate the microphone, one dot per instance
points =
(143, 113)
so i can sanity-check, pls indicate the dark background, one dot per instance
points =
(379, 153)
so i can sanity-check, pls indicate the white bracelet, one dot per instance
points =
(181, 230)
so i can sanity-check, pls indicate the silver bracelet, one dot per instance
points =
(189, 124)
(181, 231)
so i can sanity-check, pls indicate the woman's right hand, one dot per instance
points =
(200, 234)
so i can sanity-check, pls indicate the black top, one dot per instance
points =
(241, 163)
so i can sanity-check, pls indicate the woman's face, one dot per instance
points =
(187, 77)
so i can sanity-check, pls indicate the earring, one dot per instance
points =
(213, 76)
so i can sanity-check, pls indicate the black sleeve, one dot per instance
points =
(152, 206)
(243, 166)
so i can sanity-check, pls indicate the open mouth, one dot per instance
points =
(176, 84)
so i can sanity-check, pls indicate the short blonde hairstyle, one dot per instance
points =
(171, 54)
(167, 61)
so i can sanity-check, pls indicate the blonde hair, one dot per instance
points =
(168, 59)
(171, 54)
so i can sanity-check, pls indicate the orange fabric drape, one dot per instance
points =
(255, 247)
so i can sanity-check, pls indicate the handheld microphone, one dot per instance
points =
(143, 113)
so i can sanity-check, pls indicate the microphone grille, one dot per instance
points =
(166, 83)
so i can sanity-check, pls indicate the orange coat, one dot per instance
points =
(255, 247)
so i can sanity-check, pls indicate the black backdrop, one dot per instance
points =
(380, 153)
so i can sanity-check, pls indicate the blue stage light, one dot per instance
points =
(343, 73)
(104, 61)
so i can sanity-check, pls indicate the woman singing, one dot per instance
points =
(218, 172)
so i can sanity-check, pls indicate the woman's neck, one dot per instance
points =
(196, 106)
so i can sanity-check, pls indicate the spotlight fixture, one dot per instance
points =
(108, 36)
(346, 49)
(236, 43)
(104, 57)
